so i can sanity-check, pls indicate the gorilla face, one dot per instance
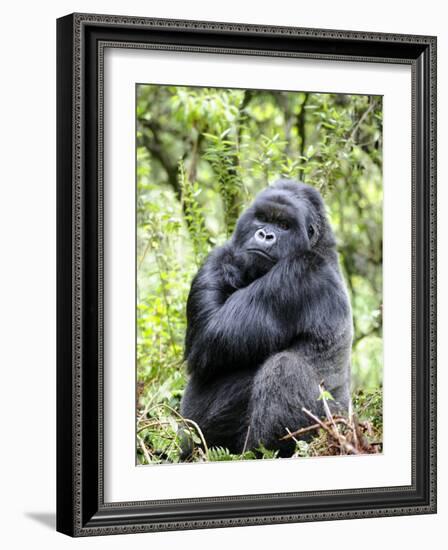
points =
(285, 220)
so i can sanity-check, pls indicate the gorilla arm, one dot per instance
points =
(233, 328)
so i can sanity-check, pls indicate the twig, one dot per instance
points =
(326, 407)
(188, 422)
(291, 435)
(167, 305)
(144, 449)
(361, 120)
(352, 422)
(149, 406)
(343, 443)
(148, 244)
(201, 435)
(153, 423)
(311, 428)
(246, 440)
(301, 431)
(317, 420)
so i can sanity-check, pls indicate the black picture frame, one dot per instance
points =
(81, 510)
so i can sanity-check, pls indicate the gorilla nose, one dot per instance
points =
(265, 237)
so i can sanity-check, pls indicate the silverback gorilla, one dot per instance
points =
(268, 319)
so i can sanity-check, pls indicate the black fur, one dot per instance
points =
(268, 319)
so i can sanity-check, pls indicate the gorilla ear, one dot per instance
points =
(305, 240)
(311, 231)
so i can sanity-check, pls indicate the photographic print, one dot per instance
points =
(246, 274)
(259, 274)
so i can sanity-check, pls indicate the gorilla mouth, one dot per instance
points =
(261, 253)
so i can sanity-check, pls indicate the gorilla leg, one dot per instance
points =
(282, 386)
(220, 409)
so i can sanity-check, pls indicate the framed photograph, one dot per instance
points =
(246, 274)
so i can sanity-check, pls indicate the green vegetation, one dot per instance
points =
(202, 155)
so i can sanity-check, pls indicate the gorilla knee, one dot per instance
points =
(284, 385)
(288, 374)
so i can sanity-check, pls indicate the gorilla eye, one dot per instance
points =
(283, 225)
(262, 217)
(311, 231)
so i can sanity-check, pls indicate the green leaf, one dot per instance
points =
(325, 395)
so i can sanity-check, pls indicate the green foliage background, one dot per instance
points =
(202, 155)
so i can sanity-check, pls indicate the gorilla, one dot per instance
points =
(268, 319)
